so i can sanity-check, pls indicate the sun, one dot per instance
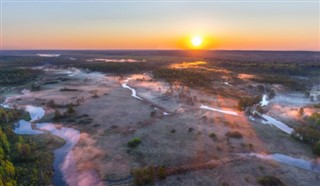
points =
(196, 41)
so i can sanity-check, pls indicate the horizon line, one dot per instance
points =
(267, 50)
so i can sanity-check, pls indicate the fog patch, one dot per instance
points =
(48, 55)
(292, 99)
(80, 165)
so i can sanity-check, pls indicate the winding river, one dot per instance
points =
(63, 155)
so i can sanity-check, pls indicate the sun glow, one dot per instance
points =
(196, 41)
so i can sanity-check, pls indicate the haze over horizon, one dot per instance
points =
(154, 25)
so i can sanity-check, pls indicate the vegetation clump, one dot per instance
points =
(269, 181)
(51, 103)
(24, 160)
(18, 76)
(147, 175)
(66, 89)
(188, 77)
(234, 134)
(213, 136)
(248, 101)
(70, 110)
(134, 143)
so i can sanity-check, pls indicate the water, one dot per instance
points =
(264, 101)
(63, 155)
(35, 113)
(133, 91)
(310, 165)
(270, 120)
(219, 110)
(70, 135)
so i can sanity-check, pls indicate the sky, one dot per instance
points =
(162, 24)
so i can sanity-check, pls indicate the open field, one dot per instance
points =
(195, 130)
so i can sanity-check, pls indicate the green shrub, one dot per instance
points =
(134, 142)
(70, 110)
(147, 175)
(162, 172)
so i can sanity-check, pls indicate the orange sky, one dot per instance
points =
(252, 26)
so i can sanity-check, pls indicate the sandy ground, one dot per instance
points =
(117, 117)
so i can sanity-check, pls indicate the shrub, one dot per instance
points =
(233, 134)
(143, 176)
(147, 175)
(51, 103)
(270, 181)
(134, 142)
(162, 172)
(70, 110)
(153, 113)
(301, 111)
(316, 148)
(95, 95)
(248, 101)
(213, 136)
(57, 115)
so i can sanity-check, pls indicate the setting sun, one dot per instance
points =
(196, 41)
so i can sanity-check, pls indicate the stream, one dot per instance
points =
(219, 110)
(134, 94)
(272, 121)
(310, 165)
(70, 135)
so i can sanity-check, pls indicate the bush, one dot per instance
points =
(316, 148)
(143, 176)
(233, 134)
(153, 113)
(270, 181)
(134, 142)
(248, 101)
(301, 111)
(70, 110)
(51, 103)
(213, 136)
(147, 175)
(162, 172)
(57, 115)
